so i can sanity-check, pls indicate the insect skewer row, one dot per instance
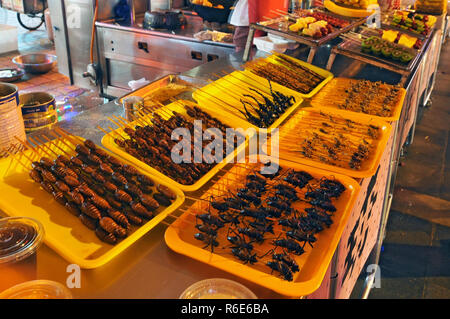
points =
(257, 86)
(374, 98)
(247, 212)
(152, 143)
(106, 195)
(344, 145)
(322, 142)
(287, 73)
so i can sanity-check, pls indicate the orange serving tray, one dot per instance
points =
(222, 96)
(64, 232)
(272, 58)
(327, 92)
(313, 263)
(109, 143)
(369, 166)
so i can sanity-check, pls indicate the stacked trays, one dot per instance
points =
(214, 212)
(66, 232)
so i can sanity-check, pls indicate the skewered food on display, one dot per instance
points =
(97, 188)
(152, 144)
(316, 24)
(263, 110)
(374, 98)
(417, 23)
(330, 139)
(386, 49)
(268, 220)
(287, 73)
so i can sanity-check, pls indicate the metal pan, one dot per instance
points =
(145, 90)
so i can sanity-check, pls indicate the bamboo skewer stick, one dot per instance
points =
(237, 85)
(39, 142)
(122, 120)
(143, 119)
(117, 123)
(61, 139)
(16, 159)
(299, 133)
(236, 96)
(54, 144)
(70, 136)
(113, 130)
(221, 101)
(29, 146)
(257, 86)
(140, 121)
(67, 136)
(103, 130)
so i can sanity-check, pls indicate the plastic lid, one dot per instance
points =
(19, 238)
(217, 288)
(37, 289)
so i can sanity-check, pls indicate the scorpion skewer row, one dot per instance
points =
(254, 105)
(106, 195)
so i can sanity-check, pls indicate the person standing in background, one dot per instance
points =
(244, 13)
(251, 11)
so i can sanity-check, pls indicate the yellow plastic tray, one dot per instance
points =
(324, 73)
(369, 167)
(65, 233)
(313, 263)
(329, 89)
(224, 94)
(108, 142)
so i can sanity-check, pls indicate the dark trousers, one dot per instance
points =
(240, 37)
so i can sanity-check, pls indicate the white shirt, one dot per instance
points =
(239, 16)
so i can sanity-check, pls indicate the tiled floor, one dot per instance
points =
(415, 261)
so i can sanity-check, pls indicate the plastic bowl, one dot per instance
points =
(11, 74)
(217, 288)
(36, 63)
(37, 289)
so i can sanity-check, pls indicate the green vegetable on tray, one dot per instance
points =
(396, 54)
(377, 46)
(386, 52)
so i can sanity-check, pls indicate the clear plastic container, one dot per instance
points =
(37, 289)
(217, 288)
(20, 237)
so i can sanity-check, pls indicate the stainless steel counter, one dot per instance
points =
(149, 269)
(130, 52)
(194, 25)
